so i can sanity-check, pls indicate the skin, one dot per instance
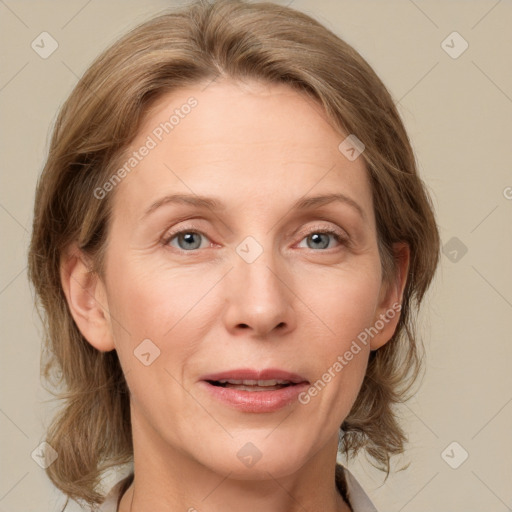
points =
(257, 148)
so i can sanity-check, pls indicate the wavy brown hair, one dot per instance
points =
(205, 40)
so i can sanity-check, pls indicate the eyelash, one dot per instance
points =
(341, 238)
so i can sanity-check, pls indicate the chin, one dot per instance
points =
(244, 459)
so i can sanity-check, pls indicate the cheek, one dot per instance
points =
(171, 307)
(342, 346)
(346, 302)
(150, 301)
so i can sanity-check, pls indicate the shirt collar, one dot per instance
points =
(357, 498)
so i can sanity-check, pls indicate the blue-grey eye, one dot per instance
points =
(187, 240)
(319, 240)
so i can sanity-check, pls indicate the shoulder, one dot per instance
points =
(352, 491)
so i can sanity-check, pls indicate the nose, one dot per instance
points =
(260, 297)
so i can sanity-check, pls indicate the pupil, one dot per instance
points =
(189, 239)
(316, 237)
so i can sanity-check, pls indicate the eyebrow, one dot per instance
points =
(215, 205)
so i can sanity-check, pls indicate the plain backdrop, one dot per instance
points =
(457, 106)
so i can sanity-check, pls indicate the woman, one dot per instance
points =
(230, 239)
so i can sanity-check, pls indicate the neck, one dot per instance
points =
(166, 479)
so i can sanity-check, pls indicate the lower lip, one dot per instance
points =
(256, 401)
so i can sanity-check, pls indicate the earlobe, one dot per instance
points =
(87, 300)
(390, 300)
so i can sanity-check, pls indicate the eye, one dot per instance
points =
(187, 239)
(190, 239)
(318, 238)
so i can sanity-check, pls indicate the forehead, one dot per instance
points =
(252, 142)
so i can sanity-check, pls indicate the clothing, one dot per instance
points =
(347, 484)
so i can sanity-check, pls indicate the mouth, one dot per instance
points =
(253, 390)
(251, 385)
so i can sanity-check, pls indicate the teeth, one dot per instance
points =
(241, 387)
(261, 383)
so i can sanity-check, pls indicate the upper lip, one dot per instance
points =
(255, 375)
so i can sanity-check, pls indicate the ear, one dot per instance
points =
(87, 299)
(390, 299)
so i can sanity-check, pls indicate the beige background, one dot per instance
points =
(459, 115)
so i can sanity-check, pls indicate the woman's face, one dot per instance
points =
(257, 287)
